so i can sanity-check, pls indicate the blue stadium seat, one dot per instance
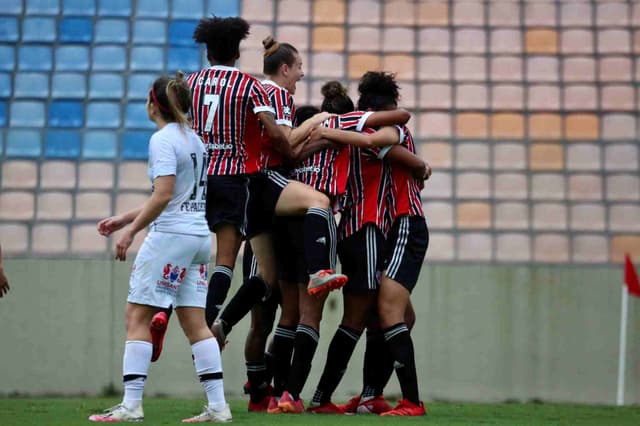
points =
(153, 8)
(62, 144)
(39, 29)
(138, 85)
(136, 116)
(11, 7)
(135, 145)
(5, 85)
(103, 115)
(8, 62)
(112, 31)
(42, 7)
(109, 58)
(186, 59)
(72, 58)
(34, 58)
(148, 31)
(9, 29)
(1, 142)
(223, 8)
(27, 114)
(23, 143)
(79, 7)
(114, 8)
(187, 9)
(181, 33)
(147, 58)
(66, 114)
(31, 85)
(3, 114)
(68, 85)
(99, 144)
(106, 86)
(76, 30)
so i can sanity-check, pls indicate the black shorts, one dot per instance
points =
(227, 199)
(362, 259)
(289, 245)
(249, 263)
(406, 247)
(264, 189)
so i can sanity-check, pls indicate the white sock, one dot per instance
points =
(135, 366)
(208, 363)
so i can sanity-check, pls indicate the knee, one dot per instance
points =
(389, 313)
(318, 199)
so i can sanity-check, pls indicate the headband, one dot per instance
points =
(155, 101)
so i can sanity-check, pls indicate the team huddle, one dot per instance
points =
(234, 156)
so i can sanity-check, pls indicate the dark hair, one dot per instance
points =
(336, 100)
(378, 91)
(276, 54)
(304, 113)
(222, 36)
(173, 98)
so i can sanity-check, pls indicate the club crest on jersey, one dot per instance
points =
(175, 274)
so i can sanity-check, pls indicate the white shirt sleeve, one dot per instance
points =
(363, 120)
(162, 157)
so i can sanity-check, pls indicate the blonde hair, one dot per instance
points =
(173, 98)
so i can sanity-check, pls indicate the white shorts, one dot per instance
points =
(171, 270)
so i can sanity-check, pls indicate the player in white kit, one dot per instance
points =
(171, 266)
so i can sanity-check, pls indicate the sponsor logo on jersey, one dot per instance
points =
(175, 274)
(307, 169)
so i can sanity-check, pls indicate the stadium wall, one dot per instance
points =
(483, 333)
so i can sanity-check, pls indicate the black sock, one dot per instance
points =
(269, 364)
(283, 340)
(305, 346)
(378, 364)
(340, 351)
(257, 375)
(318, 240)
(401, 347)
(218, 288)
(249, 293)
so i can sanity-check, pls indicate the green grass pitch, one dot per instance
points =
(160, 411)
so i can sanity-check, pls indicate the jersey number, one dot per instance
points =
(211, 101)
(199, 182)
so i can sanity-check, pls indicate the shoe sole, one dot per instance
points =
(288, 407)
(158, 329)
(274, 410)
(334, 284)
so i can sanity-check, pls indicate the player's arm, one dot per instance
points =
(383, 137)
(277, 136)
(4, 282)
(400, 156)
(387, 118)
(301, 133)
(311, 147)
(163, 187)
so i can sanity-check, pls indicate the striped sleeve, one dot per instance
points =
(260, 98)
(283, 105)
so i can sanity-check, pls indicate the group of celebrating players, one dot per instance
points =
(234, 156)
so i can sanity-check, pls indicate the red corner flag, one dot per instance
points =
(631, 277)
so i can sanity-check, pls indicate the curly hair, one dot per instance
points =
(222, 36)
(378, 91)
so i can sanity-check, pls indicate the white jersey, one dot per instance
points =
(176, 150)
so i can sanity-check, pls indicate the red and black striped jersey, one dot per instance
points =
(285, 108)
(328, 170)
(224, 105)
(366, 198)
(404, 197)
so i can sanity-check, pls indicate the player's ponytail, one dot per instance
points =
(336, 100)
(276, 54)
(179, 96)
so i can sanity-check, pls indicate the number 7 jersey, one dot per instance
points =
(224, 105)
(176, 150)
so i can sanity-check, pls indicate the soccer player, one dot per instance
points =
(171, 266)
(4, 282)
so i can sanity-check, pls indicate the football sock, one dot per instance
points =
(218, 288)
(249, 293)
(283, 340)
(318, 239)
(208, 363)
(135, 366)
(340, 351)
(401, 346)
(378, 364)
(257, 375)
(305, 345)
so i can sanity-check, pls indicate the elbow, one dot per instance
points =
(164, 199)
(406, 116)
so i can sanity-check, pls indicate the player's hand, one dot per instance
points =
(428, 172)
(110, 225)
(123, 244)
(4, 283)
(317, 133)
(321, 116)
